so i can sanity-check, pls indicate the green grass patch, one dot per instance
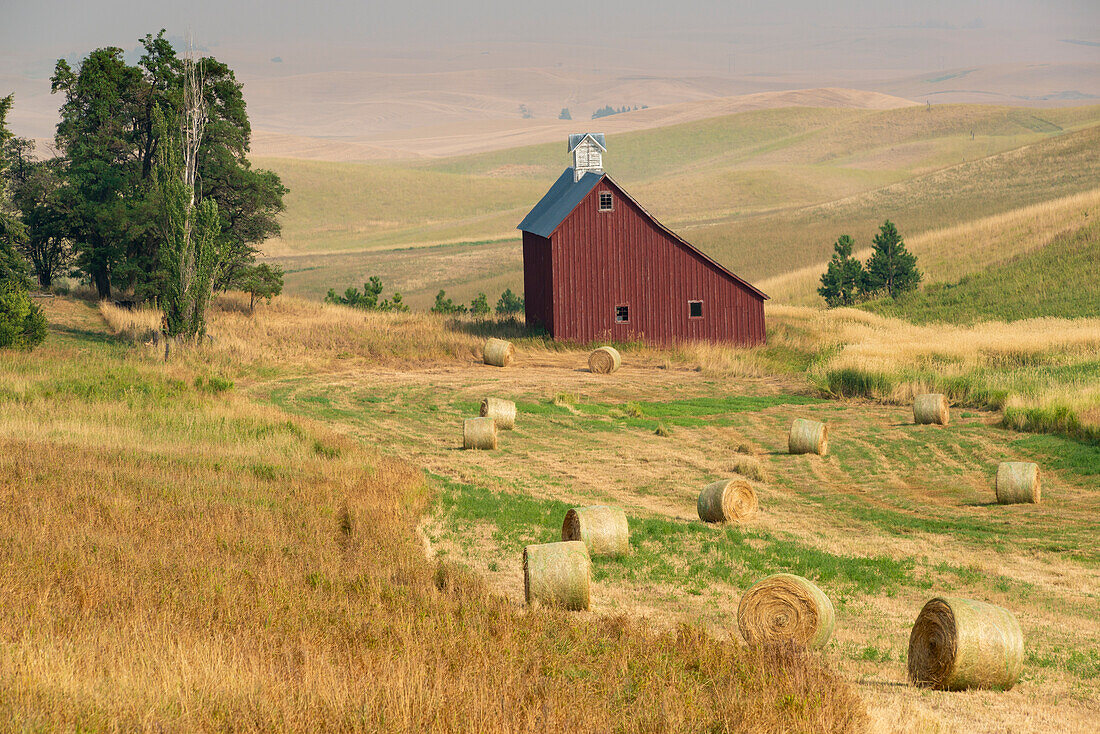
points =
(1059, 280)
(686, 555)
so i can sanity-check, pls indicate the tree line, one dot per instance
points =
(151, 193)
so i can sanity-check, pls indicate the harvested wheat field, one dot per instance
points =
(894, 515)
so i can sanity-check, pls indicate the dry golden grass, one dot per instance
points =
(176, 557)
(136, 324)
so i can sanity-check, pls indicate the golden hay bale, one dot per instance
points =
(479, 433)
(503, 412)
(932, 408)
(783, 608)
(557, 574)
(603, 530)
(604, 361)
(808, 437)
(498, 352)
(727, 500)
(1018, 481)
(961, 643)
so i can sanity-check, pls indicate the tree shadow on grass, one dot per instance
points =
(86, 335)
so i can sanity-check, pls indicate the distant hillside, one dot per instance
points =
(430, 123)
(1059, 280)
(766, 192)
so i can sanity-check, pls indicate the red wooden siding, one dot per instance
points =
(538, 278)
(601, 260)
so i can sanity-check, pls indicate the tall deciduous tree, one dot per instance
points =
(21, 322)
(188, 226)
(13, 269)
(110, 142)
(842, 282)
(97, 137)
(891, 267)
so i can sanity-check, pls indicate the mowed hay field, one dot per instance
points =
(765, 192)
(176, 555)
(894, 515)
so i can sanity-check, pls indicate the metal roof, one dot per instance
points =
(576, 138)
(558, 203)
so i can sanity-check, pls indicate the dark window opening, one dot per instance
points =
(606, 201)
(695, 309)
(622, 314)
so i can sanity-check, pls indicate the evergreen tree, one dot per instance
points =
(445, 305)
(891, 267)
(480, 306)
(565, 115)
(509, 303)
(843, 281)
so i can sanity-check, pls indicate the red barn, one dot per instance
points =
(599, 267)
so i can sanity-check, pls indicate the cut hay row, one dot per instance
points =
(727, 500)
(557, 575)
(604, 360)
(503, 412)
(931, 408)
(603, 530)
(786, 608)
(961, 643)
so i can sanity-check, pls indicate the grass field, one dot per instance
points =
(176, 555)
(1057, 280)
(894, 515)
(765, 192)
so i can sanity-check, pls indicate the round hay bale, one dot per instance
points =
(479, 433)
(808, 437)
(604, 361)
(557, 574)
(931, 408)
(503, 412)
(961, 643)
(1018, 481)
(603, 530)
(727, 500)
(498, 352)
(786, 608)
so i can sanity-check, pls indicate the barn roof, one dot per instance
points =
(558, 203)
(564, 196)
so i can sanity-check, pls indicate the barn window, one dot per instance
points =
(695, 309)
(606, 201)
(622, 314)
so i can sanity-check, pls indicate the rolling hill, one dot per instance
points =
(766, 192)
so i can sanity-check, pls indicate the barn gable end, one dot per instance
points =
(598, 266)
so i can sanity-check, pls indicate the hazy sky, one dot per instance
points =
(721, 47)
(32, 30)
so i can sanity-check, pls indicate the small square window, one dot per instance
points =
(606, 202)
(695, 309)
(622, 314)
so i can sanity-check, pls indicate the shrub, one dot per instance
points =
(22, 324)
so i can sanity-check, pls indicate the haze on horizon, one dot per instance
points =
(355, 70)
